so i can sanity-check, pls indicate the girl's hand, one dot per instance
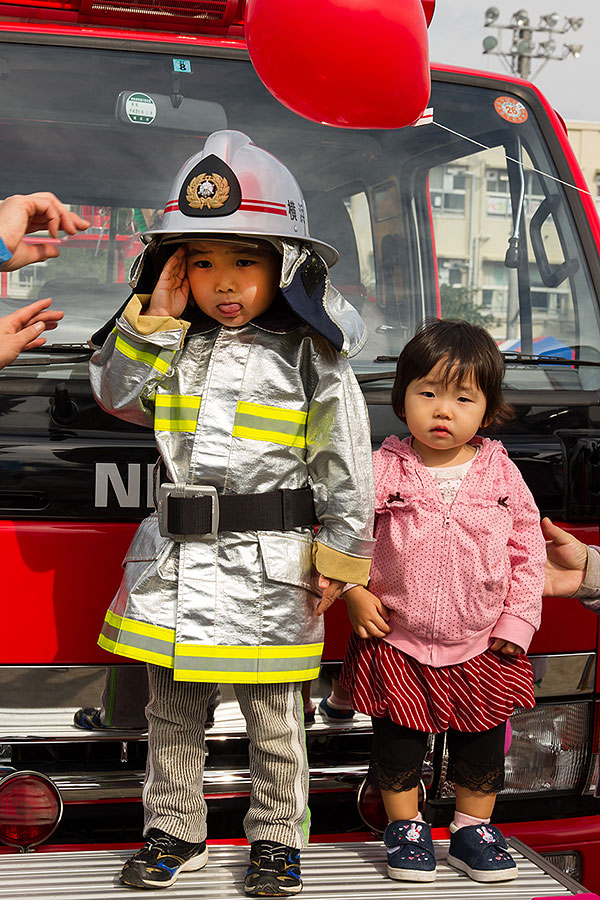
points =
(170, 296)
(566, 563)
(368, 615)
(331, 590)
(506, 647)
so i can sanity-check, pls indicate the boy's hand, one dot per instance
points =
(566, 563)
(507, 647)
(368, 615)
(331, 590)
(170, 296)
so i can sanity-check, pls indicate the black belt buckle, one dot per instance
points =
(187, 490)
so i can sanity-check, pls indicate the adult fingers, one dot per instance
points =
(25, 254)
(555, 534)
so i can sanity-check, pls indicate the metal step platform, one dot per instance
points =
(330, 871)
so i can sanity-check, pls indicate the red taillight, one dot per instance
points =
(30, 809)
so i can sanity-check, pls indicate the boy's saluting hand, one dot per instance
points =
(170, 296)
(368, 615)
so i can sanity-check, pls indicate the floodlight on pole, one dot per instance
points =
(524, 46)
(551, 20)
(520, 18)
(574, 49)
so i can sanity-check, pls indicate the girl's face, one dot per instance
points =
(232, 283)
(442, 418)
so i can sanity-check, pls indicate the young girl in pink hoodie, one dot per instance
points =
(453, 601)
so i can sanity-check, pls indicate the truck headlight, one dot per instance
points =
(549, 750)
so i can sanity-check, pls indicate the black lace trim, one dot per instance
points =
(387, 778)
(475, 778)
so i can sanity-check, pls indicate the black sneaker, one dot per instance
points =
(161, 859)
(274, 870)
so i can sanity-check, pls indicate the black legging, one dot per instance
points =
(476, 758)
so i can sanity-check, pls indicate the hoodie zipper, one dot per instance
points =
(440, 581)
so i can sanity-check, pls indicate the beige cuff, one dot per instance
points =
(147, 325)
(340, 566)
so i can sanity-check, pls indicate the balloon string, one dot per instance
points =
(505, 156)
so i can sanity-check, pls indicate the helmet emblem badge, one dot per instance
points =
(207, 191)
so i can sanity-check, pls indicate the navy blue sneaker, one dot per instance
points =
(411, 856)
(482, 852)
(332, 713)
(161, 860)
(274, 870)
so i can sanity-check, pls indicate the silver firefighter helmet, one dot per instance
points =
(233, 187)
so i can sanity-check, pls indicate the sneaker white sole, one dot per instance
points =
(410, 874)
(484, 875)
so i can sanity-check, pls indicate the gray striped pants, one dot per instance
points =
(173, 797)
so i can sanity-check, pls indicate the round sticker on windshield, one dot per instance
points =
(510, 109)
(140, 108)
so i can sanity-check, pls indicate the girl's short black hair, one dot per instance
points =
(467, 351)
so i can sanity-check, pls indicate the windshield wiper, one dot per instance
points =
(52, 354)
(531, 359)
(365, 377)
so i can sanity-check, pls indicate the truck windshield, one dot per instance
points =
(462, 216)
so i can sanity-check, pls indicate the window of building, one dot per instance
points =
(448, 190)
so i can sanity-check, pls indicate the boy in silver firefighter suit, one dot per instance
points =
(234, 348)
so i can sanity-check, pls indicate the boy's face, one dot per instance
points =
(232, 283)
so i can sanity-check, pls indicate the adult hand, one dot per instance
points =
(23, 214)
(331, 590)
(170, 296)
(22, 329)
(506, 647)
(368, 615)
(566, 563)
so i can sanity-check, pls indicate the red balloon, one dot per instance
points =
(349, 63)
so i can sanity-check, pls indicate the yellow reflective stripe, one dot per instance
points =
(276, 437)
(143, 655)
(172, 412)
(258, 422)
(154, 361)
(143, 628)
(177, 401)
(231, 677)
(282, 651)
(272, 412)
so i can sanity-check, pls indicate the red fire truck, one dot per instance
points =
(478, 211)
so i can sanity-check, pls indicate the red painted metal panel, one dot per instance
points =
(58, 581)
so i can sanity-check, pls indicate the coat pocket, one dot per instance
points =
(145, 549)
(287, 557)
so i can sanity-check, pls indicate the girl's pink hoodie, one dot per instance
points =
(456, 576)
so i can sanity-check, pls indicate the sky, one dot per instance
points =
(572, 86)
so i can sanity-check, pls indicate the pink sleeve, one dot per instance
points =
(527, 554)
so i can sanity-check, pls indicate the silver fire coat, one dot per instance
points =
(253, 409)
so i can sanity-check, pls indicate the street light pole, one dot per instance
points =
(523, 47)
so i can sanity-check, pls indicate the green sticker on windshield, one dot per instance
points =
(140, 108)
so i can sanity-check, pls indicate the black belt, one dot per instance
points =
(197, 511)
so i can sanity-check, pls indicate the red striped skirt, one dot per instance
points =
(475, 695)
